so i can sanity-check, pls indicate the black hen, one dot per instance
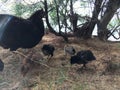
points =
(82, 57)
(48, 50)
(1, 65)
(17, 32)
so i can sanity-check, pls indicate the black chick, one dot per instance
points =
(82, 57)
(1, 65)
(48, 50)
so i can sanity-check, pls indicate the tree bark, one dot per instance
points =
(111, 8)
(86, 30)
(73, 17)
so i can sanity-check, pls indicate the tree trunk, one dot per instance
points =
(86, 30)
(112, 7)
(73, 17)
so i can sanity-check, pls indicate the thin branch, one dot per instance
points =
(118, 17)
(50, 27)
(25, 56)
(58, 18)
(114, 30)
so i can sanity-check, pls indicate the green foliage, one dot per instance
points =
(80, 87)
(53, 17)
(113, 23)
(63, 12)
(62, 76)
(4, 0)
(83, 3)
(20, 9)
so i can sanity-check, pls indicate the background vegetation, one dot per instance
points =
(73, 18)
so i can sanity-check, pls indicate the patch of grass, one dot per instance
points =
(80, 87)
(113, 67)
(60, 80)
(0, 77)
(62, 76)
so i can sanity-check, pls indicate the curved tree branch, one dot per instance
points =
(65, 36)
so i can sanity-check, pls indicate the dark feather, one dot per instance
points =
(17, 32)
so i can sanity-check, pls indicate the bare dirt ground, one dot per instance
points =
(58, 74)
